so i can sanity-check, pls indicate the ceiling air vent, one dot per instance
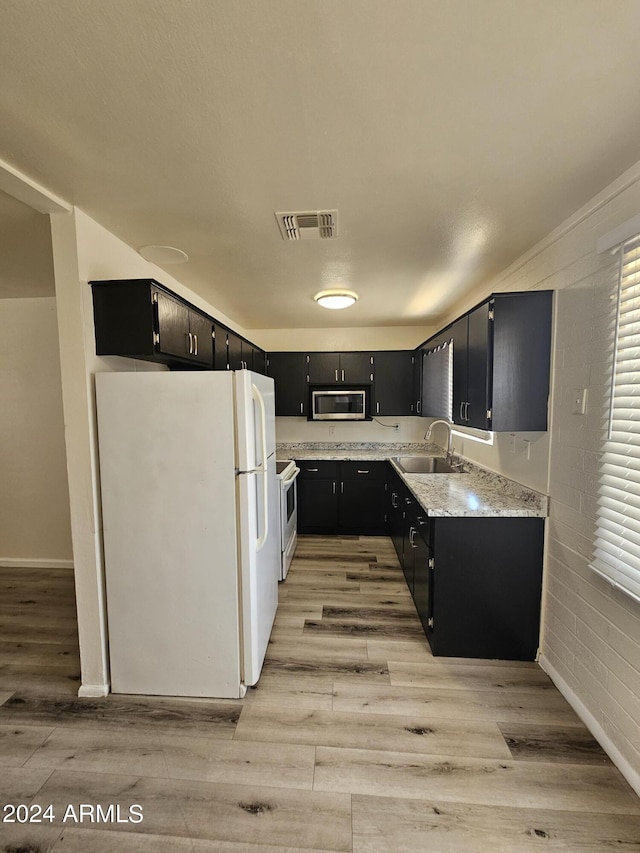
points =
(310, 225)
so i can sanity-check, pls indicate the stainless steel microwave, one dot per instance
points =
(338, 405)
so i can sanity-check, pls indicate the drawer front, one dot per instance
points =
(317, 469)
(363, 470)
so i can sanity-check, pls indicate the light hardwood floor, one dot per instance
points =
(356, 738)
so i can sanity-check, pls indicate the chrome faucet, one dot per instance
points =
(427, 436)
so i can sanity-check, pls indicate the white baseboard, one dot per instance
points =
(34, 563)
(630, 774)
(93, 691)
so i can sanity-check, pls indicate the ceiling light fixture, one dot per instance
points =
(336, 298)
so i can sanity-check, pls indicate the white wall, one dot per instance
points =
(85, 251)
(34, 500)
(340, 339)
(591, 633)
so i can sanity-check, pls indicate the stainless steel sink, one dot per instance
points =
(424, 465)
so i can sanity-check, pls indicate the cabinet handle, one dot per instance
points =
(363, 471)
(302, 408)
(393, 500)
(412, 537)
(461, 411)
(336, 374)
(342, 488)
(466, 411)
(195, 345)
(190, 336)
(419, 407)
(377, 408)
(343, 375)
(334, 488)
(312, 470)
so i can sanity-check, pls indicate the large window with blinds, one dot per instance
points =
(617, 545)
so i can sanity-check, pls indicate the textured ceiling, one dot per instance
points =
(450, 136)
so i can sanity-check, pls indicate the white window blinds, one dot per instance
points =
(617, 546)
(437, 381)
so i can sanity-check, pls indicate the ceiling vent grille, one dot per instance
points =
(310, 225)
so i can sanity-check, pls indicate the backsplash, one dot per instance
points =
(523, 457)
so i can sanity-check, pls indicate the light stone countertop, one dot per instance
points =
(474, 493)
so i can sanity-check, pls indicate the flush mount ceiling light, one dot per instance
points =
(163, 255)
(336, 298)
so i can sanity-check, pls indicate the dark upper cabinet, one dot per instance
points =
(521, 361)
(416, 382)
(393, 385)
(350, 368)
(234, 345)
(220, 348)
(323, 368)
(501, 363)
(356, 367)
(234, 353)
(258, 359)
(138, 318)
(289, 372)
(471, 368)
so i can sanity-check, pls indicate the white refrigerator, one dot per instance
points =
(190, 529)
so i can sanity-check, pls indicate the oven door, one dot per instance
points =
(288, 517)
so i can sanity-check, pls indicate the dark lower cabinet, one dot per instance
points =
(487, 581)
(476, 582)
(342, 497)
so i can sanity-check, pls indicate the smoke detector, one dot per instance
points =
(308, 225)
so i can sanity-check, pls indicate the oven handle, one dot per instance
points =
(293, 476)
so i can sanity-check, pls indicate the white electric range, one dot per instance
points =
(287, 473)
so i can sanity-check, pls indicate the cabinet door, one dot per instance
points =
(201, 328)
(259, 358)
(362, 498)
(521, 361)
(478, 373)
(317, 505)
(220, 352)
(323, 368)
(409, 510)
(486, 587)
(288, 372)
(459, 335)
(423, 572)
(393, 383)
(356, 368)
(416, 382)
(173, 325)
(235, 351)
(394, 512)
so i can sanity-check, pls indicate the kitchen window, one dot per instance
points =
(617, 545)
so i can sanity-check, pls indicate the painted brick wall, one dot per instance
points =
(591, 633)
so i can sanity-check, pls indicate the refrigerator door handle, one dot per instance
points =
(262, 469)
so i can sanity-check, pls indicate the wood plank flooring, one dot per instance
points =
(355, 739)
